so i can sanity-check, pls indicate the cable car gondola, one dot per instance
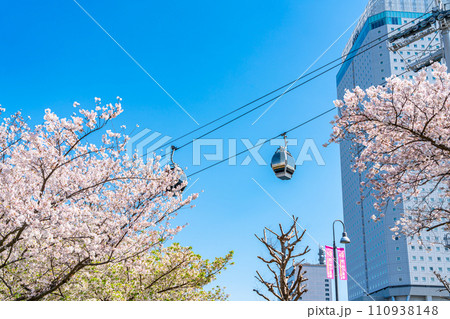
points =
(182, 178)
(283, 164)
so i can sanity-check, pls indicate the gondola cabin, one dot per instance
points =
(283, 164)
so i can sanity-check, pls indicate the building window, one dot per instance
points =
(422, 268)
(424, 279)
(327, 294)
(432, 278)
(414, 257)
(438, 258)
(399, 268)
(415, 268)
(397, 248)
(327, 299)
(430, 258)
(398, 258)
(421, 258)
(326, 289)
(431, 268)
(416, 278)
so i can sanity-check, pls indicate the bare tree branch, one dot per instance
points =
(287, 283)
(443, 281)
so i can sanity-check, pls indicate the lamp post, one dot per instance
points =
(344, 240)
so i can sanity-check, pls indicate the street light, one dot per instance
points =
(344, 240)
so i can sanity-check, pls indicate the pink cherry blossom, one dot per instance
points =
(400, 134)
(67, 204)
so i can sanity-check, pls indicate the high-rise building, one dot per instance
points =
(380, 266)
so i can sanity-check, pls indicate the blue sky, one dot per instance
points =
(212, 56)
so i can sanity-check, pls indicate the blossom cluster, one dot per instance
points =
(401, 138)
(67, 204)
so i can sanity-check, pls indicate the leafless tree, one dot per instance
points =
(289, 282)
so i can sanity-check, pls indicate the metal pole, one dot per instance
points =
(336, 284)
(335, 268)
(446, 44)
(445, 33)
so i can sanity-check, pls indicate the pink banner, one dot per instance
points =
(329, 261)
(342, 264)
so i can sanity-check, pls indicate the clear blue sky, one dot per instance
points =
(212, 56)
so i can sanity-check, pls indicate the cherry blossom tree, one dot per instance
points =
(172, 273)
(444, 281)
(67, 204)
(401, 134)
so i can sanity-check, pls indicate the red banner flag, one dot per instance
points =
(329, 261)
(342, 264)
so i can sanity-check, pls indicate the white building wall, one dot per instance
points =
(318, 285)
